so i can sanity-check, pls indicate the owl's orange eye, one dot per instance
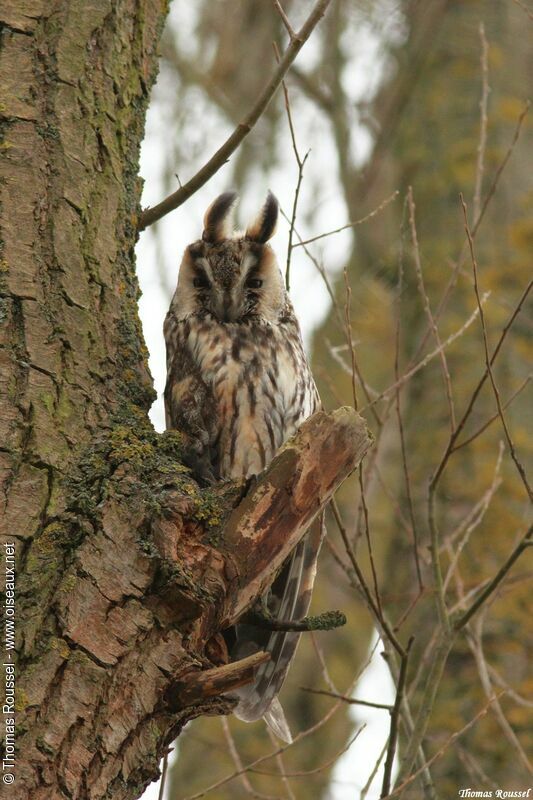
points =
(200, 283)
(254, 283)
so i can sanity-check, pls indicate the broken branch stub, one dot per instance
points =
(273, 517)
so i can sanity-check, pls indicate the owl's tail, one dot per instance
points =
(289, 599)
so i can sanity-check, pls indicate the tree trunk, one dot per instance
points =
(126, 570)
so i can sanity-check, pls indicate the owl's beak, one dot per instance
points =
(228, 309)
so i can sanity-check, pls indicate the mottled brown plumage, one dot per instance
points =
(238, 386)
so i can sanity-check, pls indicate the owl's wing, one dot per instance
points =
(290, 597)
(189, 404)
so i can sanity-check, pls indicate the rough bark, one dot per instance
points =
(126, 570)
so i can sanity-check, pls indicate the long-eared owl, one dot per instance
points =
(238, 386)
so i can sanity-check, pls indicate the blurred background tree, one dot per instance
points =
(386, 96)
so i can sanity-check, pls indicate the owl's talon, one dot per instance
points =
(250, 482)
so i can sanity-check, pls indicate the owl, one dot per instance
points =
(238, 386)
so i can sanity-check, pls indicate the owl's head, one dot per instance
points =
(232, 276)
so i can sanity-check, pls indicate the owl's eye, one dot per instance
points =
(254, 283)
(200, 283)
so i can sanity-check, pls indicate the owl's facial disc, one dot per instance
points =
(232, 280)
(228, 280)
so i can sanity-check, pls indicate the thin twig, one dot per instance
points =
(299, 161)
(473, 397)
(356, 372)
(321, 271)
(368, 540)
(360, 577)
(488, 365)
(398, 408)
(511, 693)
(350, 700)
(176, 199)
(281, 749)
(433, 677)
(290, 245)
(247, 786)
(476, 521)
(501, 167)
(524, 8)
(451, 739)
(320, 655)
(494, 417)
(462, 255)
(284, 19)
(483, 103)
(438, 582)
(522, 545)
(322, 767)
(427, 307)
(373, 213)
(281, 767)
(429, 357)
(375, 768)
(348, 331)
(475, 640)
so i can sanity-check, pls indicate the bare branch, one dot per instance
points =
(370, 780)
(301, 164)
(395, 717)
(461, 258)
(488, 363)
(173, 201)
(475, 520)
(246, 785)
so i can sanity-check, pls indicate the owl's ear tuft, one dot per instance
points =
(218, 218)
(264, 225)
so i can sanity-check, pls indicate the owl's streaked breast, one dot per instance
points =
(261, 386)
